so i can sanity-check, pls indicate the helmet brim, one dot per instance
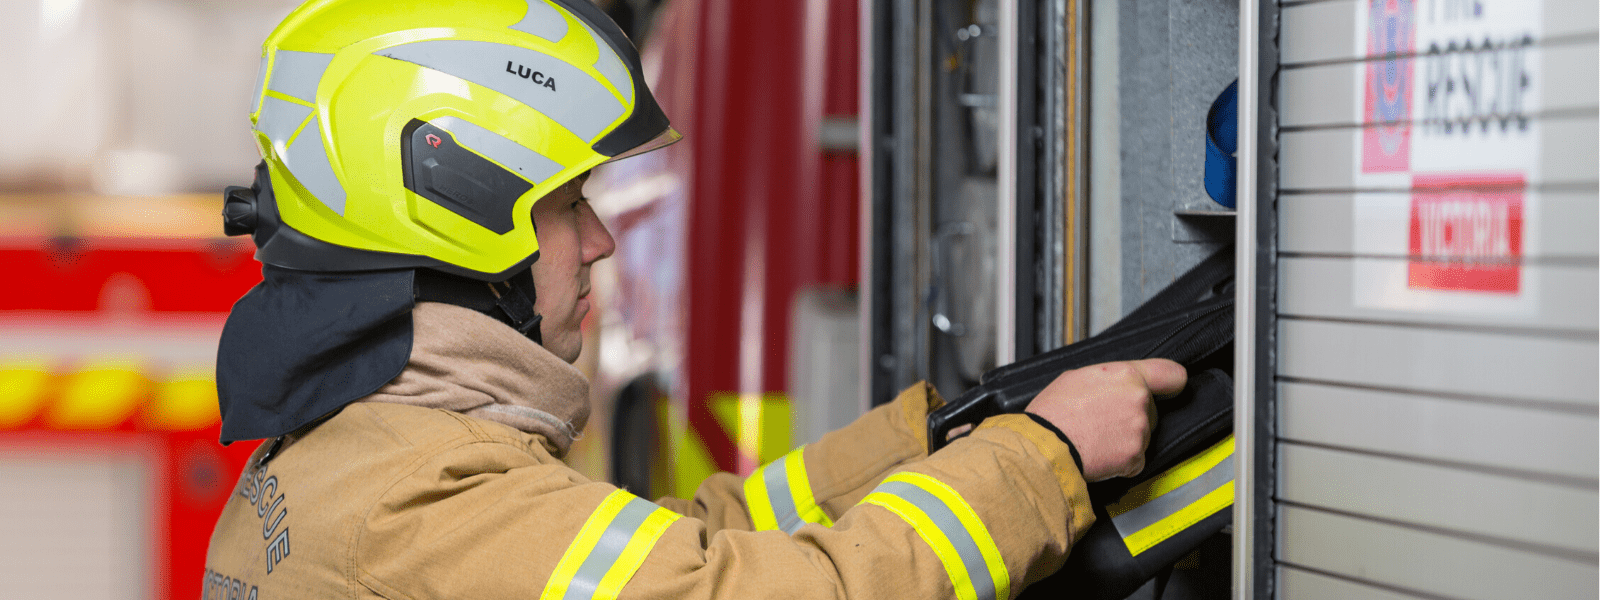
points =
(666, 138)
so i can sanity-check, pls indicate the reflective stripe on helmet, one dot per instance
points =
(609, 548)
(543, 21)
(1175, 500)
(524, 161)
(610, 65)
(280, 120)
(261, 86)
(779, 495)
(297, 74)
(307, 160)
(952, 529)
(572, 98)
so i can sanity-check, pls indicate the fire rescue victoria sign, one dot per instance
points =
(1447, 155)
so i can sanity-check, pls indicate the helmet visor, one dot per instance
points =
(667, 138)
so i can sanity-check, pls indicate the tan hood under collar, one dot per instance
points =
(469, 363)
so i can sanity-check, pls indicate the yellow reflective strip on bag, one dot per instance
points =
(935, 538)
(952, 529)
(1173, 478)
(1175, 500)
(599, 562)
(1207, 505)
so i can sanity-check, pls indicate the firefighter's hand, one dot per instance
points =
(1108, 410)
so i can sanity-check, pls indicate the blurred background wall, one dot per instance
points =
(127, 117)
(130, 97)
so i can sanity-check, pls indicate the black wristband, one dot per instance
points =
(1076, 459)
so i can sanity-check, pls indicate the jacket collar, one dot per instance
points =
(467, 362)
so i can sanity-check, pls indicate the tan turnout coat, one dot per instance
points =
(389, 500)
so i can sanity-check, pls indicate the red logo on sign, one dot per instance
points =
(433, 140)
(1466, 233)
(1391, 34)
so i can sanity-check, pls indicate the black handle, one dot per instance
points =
(1187, 322)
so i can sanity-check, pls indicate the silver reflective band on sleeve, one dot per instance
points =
(610, 547)
(307, 160)
(531, 165)
(952, 530)
(776, 476)
(297, 74)
(779, 496)
(560, 91)
(544, 21)
(606, 552)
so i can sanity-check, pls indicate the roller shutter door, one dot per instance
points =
(1437, 309)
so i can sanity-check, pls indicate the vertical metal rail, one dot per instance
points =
(1058, 171)
(1073, 187)
(1255, 335)
(867, 166)
(1244, 409)
(894, 156)
(1244, 334)
(1006, 259)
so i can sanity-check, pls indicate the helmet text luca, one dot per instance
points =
(532, 75)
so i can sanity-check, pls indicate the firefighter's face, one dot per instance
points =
(571, 240)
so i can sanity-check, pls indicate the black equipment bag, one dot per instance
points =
(1146, 523)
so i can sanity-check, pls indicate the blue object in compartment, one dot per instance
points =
(1222, 140)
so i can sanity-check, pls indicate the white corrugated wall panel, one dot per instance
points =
(1323, 95)
(1326, 31)
(1433, 563)
(1565, 295)
(1555, 370)
(1531, 439)
(1557, 516)
(1567, 226)
(1306, 585)
(1325, 159)
(1438, 303)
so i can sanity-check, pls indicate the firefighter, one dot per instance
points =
(426, 253)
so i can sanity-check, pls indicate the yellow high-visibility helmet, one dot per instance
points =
(419, 133)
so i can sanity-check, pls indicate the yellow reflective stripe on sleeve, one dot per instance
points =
(609, 548)
(779, 496)
(755, 498)
(952, 529)
(1175, 500)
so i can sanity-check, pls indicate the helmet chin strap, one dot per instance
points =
(510, 301)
